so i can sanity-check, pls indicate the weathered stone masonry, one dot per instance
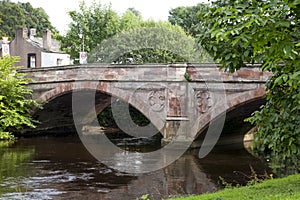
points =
(160, 91)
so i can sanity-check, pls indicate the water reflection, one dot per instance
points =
(61, 168)
(280, 165)
(12, 166)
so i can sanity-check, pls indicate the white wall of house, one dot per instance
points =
(54, 59)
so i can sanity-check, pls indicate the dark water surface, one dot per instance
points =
(61, 168)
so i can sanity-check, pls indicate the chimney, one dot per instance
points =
(22, 33)
(32, 33)
(47, 39)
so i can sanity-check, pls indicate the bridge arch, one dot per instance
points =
(156, 118)
(233, 101)
(109, 92)
(160, 100)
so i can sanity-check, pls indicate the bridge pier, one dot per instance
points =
(176, 129)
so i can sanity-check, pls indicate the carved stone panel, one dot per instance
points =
(156, 100)
(203, 101)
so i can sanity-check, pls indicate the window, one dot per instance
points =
(31, 60)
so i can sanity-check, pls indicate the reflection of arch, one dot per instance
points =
(107, 90)
(233, 102)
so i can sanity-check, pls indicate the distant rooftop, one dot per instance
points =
(38, 42)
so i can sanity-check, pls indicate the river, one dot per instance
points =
(61, 168)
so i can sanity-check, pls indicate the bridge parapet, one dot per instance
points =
(208, 72)
(100, 72)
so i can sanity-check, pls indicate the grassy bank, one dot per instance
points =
(275, 189)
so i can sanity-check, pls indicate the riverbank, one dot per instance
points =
(284, 188)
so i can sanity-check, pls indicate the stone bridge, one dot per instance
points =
(180, 99)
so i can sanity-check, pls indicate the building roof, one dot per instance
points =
(38, 42)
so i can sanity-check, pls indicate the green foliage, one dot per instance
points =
(1, 31)
(130, 19)
(15, 102)
(144, 197)
(274, 189)
(6, 135)
(188, 17)
(108, 37)
(19, 15)
(95, 23)
(187, 76)
(253, 179)
(150, 42)
(263, 32)
(134, 11)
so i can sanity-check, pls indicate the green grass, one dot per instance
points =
(275, 189)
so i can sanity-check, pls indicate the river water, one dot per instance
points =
(61, 168)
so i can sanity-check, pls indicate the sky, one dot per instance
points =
(155, 9)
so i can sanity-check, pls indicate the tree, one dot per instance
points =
(37, 18)
(94, 24)
(130, 19)
(265, 32)
(19, 15)
(15, 102)
(134, 11)
(188, 17)
(1, 32)
(104, 35)
(148, 42)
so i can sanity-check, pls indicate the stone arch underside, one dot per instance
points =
(108, 92)
(220, 109)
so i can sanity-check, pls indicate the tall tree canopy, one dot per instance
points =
(19, 15)
(150, 42)
(89, 26)
(188, 17)
(98, 24)
(1, 31)
(265, 32)
(15, 102)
